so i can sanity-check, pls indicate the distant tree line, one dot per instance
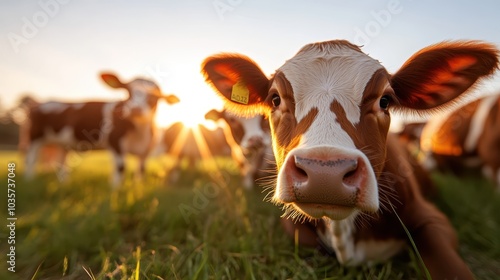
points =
(10, 120)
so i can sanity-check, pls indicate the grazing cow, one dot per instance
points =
(328, 107)
(467, 138)
(250, 142)
(122, 127)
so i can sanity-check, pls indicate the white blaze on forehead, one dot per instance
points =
(140, 89)
(320, 76)
(253, 128)
(142, 85)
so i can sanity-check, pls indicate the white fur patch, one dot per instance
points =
(477, 122)
(252, 128)
(140, 91)
(53, 107)
(31, 157)
(107, 119)
(318, 77)
(339, 236)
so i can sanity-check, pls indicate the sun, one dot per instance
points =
(190, 111)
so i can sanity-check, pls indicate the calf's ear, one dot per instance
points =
(213, 115)
(171, 99)
(237, 79)
(112, 80)
(440, 73)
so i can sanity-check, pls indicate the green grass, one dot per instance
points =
(202, 227)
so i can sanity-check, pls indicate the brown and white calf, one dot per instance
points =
(328, 108)
(122, 127)
(467, 138)
(250, 141)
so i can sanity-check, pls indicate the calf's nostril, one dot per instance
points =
(353, 178)
(351, 169)
(349, 174)
(301, 172)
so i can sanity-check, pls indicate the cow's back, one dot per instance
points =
(90, 119)
(82, 118)
(450, 137)
(466, 138)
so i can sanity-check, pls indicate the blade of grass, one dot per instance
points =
(201, 266)
(65, 265)
(36, 271)
(89, 273)
(427, 275)
(138, 264)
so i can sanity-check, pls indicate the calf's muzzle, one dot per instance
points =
(320, 177)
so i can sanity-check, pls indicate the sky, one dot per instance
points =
(55, 49)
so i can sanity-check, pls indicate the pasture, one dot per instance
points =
(204, 226)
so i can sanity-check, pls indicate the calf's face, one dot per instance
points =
(143, 96)
(328, 108)
(250, 133)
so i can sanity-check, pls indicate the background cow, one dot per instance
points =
(122, 127)
(50, 156)
(410, 134)
(183, 144)
(250, 142)
(468, 138)
(328, 108)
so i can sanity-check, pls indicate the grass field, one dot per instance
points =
(202, 227)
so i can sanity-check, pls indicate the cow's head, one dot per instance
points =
(328, 108)
(143, 96)
(250, 133)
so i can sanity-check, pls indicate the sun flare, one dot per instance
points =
(189, 111)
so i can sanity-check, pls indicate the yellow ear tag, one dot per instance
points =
(240, 93)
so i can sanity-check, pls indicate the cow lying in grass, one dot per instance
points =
(468, 138)
(338, 167)
(123, 127)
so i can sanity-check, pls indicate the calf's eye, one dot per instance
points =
(384, 102)
(276, 100)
